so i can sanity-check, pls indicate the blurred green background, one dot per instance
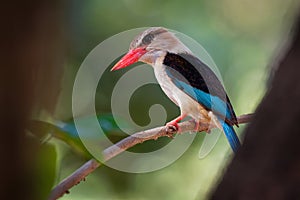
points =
(242, 36)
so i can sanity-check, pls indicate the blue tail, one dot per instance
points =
(231, 136)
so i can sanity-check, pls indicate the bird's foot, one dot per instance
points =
(208, 130)
(173, 125)
(214, 120)
(170, 131)
(198, 125)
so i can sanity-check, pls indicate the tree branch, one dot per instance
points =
(125, 144)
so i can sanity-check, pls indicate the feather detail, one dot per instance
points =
(230, 135)
(199, 82)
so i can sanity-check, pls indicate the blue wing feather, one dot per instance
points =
(209, 101)
(230, 135)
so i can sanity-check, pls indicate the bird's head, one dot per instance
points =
(150, 45)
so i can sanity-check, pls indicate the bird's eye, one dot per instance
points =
(148, 39)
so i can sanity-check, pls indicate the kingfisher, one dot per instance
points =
(185, 79)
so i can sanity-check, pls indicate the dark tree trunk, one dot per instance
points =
(268, 164)
(29, 62)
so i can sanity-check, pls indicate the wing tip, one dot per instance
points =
(231, 136)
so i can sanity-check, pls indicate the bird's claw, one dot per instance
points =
(197, 127)
(208, 130)
(171, 130)
(173, 125)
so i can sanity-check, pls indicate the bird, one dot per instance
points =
(185, 79)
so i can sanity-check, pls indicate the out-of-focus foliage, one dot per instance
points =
(67, 132)
(242, 37)
(45, 170)
(44, 167)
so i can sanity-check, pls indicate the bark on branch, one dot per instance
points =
(125, 144)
